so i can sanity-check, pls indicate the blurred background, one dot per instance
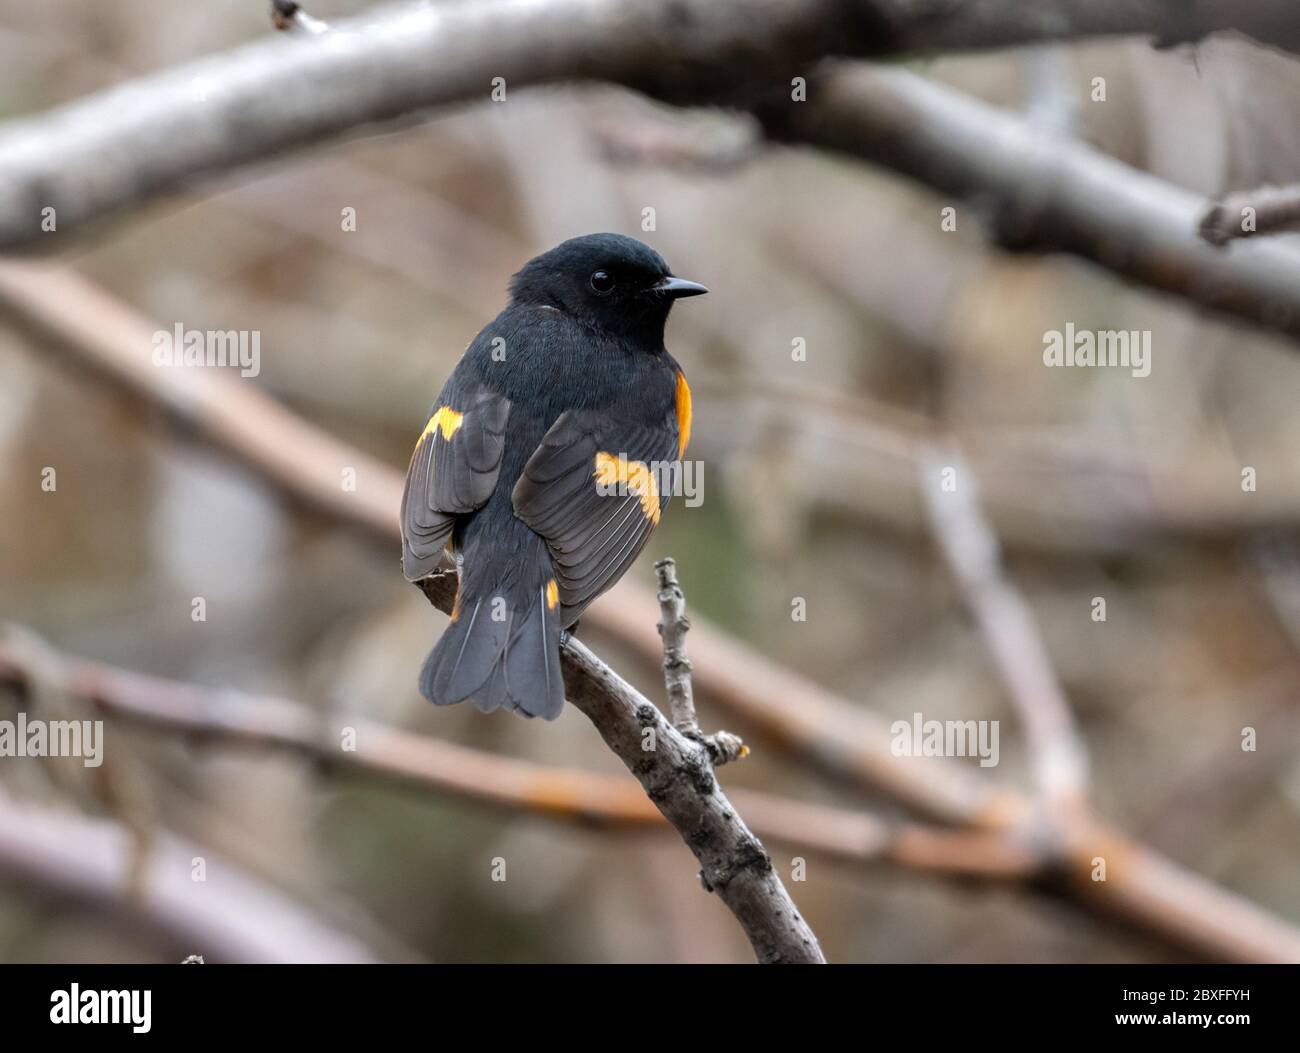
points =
(1096, 483)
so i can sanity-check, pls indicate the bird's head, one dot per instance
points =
(611, 282)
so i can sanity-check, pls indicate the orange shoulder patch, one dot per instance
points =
(683, 413)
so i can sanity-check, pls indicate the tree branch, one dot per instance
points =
(673, 627)
(970, 549)
(1040, 192)
(723, 746)
(394, 757)
(230, 916)
(1247, 213)
(677, 775)
(120, 148)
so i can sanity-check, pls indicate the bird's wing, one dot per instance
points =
(453, 470)
(594, 489)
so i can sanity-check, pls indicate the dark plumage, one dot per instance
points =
(565, 393)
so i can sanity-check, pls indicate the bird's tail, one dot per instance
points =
(501, 649)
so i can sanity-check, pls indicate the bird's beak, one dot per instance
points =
(677, 287)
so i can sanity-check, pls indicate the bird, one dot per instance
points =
(545, 464)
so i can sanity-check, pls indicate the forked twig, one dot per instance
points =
(723, 746)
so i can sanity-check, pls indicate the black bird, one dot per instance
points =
(542, 466)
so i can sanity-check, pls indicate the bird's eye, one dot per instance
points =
(602, 282)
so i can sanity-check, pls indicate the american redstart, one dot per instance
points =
(541, 466)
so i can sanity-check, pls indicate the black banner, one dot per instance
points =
(340, 1002)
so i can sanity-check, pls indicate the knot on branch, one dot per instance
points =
(748, 856)
(697, 769)
(677, 664)
(723, 746)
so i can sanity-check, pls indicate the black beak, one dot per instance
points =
(677, 288)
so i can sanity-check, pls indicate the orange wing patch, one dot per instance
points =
(633, 477)
(445, 420)
(683, 413)
(552, 595)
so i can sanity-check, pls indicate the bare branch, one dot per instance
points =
(723, 746)
(970, 548)
(1042, 193)
(398, 758)
(677, 775)
(677, 667)
(232, 916)
(153, 135)
(120, 148)
(1267, 210)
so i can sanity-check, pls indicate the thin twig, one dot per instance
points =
(723, 746)
(677, 667)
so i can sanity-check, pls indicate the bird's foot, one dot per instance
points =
(570, 633)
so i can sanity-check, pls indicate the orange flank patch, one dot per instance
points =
(445, 420)
(683, 413)
(455, 607)
(631, 477)
(552, 595)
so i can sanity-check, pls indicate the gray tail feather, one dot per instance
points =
(511, 662)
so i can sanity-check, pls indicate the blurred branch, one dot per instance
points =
(970, 548)
(1044, 490)
(228, 916)
(422, 763)
(1267, 210)
(1042, 192)
(1276, 564)
(1051, 105)
(115, 342)
(843, 740)
(717, 146)
(289, 16)
(120, 148)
